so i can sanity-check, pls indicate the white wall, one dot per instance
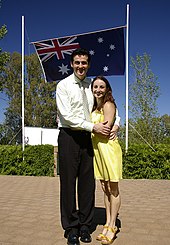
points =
(41, 136)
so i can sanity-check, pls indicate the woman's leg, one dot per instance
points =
(114, 208)
(105, 188)
(115, 203)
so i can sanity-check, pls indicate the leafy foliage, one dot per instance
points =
(141, 162)
(38, 160)
(144, 92)
(160, 131)
(12, 87)
(40, 103)
(4, 56)
(10, 159)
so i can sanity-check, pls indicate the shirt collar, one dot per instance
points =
(80, 82)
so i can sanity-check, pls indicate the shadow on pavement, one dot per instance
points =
(100, 219)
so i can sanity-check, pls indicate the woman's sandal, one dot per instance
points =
(107, 240)
(101, 236)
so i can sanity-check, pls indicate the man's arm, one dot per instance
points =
(115, 128)
(101, 128)
(109, 114)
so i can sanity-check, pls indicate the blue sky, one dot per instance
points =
(148, 32)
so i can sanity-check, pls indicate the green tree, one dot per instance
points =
(12, 87)
(164, 129)
(4, 56)
(7, 135)
(40, 105)
(144, 92)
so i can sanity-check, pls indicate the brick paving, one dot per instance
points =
(29, 212)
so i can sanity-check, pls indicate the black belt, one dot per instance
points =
(69, 130)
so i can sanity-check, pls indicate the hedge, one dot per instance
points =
(140, 162)
(37, 160)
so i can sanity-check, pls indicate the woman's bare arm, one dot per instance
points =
(109, 111)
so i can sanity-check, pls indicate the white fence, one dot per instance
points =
(41, 136)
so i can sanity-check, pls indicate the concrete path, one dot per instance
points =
(29, 212)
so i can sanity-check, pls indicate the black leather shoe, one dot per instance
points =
(85, 236)
(73, 239)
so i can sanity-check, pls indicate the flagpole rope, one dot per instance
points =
(141, 137)
(28, 39)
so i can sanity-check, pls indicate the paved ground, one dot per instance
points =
(29, 212)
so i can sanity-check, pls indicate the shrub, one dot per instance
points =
(141, 162)
(36, 160)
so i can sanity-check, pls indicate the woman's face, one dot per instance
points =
(99, 89)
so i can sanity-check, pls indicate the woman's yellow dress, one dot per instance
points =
(107, 154)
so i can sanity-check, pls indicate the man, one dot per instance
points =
(75, 149)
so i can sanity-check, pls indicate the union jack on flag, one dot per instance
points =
(106, 48)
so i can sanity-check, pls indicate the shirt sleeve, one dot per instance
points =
(117, 120)
(65, 113)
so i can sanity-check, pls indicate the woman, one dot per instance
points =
(107, 156)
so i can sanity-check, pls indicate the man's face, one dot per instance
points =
(80, 66)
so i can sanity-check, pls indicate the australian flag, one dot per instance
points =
(106, 48)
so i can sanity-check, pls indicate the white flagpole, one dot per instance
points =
(23, 129)
(127, 74)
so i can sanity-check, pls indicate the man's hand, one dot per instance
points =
(113, 132)
(101, 128)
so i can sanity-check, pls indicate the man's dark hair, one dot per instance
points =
(81, 51)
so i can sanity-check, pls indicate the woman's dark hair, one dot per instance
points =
(108, 95)
(81, 51)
